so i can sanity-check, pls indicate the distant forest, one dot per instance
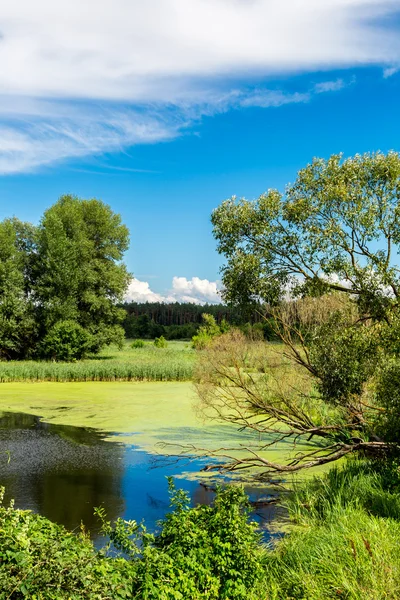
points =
(176, 320)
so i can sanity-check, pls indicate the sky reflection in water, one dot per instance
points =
(63, 472)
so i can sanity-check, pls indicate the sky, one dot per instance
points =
(165, 108)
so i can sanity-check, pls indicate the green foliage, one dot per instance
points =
(344, 357)
(41, 560)
(138, 344)
(388, 399)
(345, 544)
(79, 276)
(17, 328)
(68, 269)
(333, 229)
(204, 552)
(209, 330)
(66, 341)
(330, 242)
(174, 363)
(160, 342)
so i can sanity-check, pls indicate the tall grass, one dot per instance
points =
(346, 541)
(174, 363)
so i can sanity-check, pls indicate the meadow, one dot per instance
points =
(173, 363)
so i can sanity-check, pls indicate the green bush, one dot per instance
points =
(160, 342)
(208, 331)
(137, 344)
(209, 553)
(66, 341)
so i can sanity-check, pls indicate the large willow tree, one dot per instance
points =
(324, 257)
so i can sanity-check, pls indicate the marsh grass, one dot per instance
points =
(149, 363)
(345, 540)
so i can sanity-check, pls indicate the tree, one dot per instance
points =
(17, 328)
(78, 274)
(323, 256)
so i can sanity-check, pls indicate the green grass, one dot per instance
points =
(174, 363)
(345, 541)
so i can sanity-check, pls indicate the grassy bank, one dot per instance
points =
(345, 541)
(344, 544)
(174, 363)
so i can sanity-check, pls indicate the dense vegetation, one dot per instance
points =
(331, 242)
(180, 321)
(124, 363)
(343, 544)
(61, 281)
(202, 552)
(175, 320)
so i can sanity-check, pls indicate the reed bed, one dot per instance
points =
(174, 363)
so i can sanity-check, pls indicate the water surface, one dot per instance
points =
(62, 472)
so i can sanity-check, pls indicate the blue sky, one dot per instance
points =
(165, 118)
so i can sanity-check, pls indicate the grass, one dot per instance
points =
(345, 541)
(174, 363)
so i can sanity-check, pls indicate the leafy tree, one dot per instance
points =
(17, 328)
(78, 275)
(335, 229)
(323, 256)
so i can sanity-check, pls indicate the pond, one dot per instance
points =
(63, 471)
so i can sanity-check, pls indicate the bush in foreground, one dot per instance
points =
(344, 543)
(200, 553)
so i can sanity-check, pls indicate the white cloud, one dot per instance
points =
(195, 290)
(139, 291)
(389, 71)
(329, 86)
(135, 50)
(32, 142)
(88, 76)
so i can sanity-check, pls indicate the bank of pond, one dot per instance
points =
(71, 447)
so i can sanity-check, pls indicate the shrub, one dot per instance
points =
(205, 552)
(66, 341)
(208, 331)
(160, 342)
(137, 344)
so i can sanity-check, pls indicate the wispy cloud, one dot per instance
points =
(390, 71)
(329, 86)
(36, 133)
(89, 76)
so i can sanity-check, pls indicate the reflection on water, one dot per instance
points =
(62, 472)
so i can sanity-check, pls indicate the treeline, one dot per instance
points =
(182, 320)
(61, 281)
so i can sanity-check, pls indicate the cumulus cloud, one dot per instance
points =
(195, 290)
(139, 291)
(89, 76)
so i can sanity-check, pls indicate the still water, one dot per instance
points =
(63, 472)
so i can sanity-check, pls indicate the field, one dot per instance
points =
(174, 363)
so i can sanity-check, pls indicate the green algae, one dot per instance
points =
(157, 417)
